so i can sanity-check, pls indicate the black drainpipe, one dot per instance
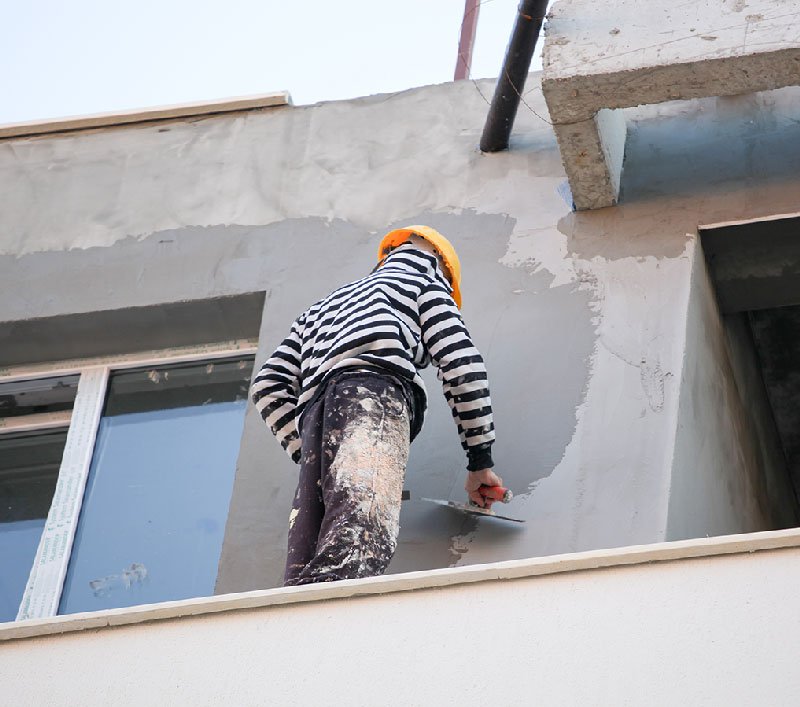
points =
(511, 83)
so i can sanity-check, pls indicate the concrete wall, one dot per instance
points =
(711, 631)
(775, 484)
(581, 316)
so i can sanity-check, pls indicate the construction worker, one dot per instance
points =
(343, 396)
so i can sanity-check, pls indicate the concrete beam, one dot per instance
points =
(120, 331)
(647, 52)
(592, 151)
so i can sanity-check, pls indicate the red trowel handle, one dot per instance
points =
(496, 493)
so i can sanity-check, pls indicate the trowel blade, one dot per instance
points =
(473, 510)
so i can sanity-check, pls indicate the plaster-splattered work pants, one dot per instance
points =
(345, 516)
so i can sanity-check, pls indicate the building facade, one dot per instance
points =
(637, 358)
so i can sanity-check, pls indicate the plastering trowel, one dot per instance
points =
(498, 493)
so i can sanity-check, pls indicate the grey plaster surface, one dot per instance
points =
(121, 331)
(187, 263)
(582, 317)
(647, 52)
(534, 405)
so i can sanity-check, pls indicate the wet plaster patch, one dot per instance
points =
(595, 444)
(536, 331)
(534, 308)
(552, 321)
(220, 260)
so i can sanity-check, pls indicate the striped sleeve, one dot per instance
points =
(461, 370)
(276, 388)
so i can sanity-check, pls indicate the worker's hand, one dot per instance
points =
(476, 479)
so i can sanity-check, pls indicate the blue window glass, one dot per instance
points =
(159, 487)
(29, 464)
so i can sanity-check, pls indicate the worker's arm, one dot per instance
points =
(275, 390)
(462, 372)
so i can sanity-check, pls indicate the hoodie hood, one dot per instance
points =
(410, 258)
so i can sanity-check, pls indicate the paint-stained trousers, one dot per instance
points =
(345, 516)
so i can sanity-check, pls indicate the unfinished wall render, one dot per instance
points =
(580, 316)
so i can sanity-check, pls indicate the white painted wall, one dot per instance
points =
(719, 630)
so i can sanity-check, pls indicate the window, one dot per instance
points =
(115, 478)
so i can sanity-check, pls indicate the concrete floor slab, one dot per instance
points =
(650, 52)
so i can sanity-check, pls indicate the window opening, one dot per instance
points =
(753, 267)
(37, 397)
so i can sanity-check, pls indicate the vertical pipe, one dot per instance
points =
(511, 82)
(469, 25)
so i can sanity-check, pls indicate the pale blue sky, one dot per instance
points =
(88, 56)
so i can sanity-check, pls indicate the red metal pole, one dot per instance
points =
(467, 39)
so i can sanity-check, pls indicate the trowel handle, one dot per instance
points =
(496, 493)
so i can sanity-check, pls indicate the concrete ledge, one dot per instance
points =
(650, 52)
(513, 569)
(114, 332)
(182, 110)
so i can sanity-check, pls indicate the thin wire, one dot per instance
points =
(511, 83)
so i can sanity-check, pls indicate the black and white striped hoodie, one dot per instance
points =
(395, 320)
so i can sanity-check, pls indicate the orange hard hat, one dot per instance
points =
(443, 247)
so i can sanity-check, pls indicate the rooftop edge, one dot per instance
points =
(129, 117)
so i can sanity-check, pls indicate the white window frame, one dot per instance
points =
(49, 568)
